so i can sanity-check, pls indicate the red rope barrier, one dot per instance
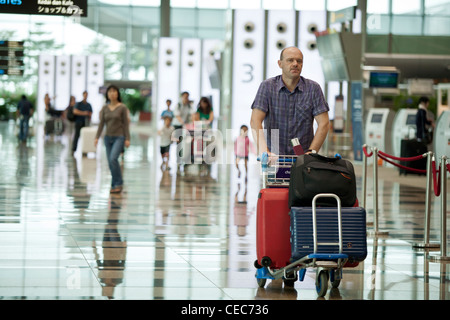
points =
(435, 172)
(401, 166)
(365, 152)
(436, 181)
(419, 157)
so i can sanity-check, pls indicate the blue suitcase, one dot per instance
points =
(354, 239)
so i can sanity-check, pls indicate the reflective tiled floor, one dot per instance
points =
(177, 236)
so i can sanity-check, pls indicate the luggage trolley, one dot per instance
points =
(199, 139)
(328, 265)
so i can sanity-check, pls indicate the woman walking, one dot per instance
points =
(115, 116)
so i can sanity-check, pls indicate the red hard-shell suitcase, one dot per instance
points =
(273, 227)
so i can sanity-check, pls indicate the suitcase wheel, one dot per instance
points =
(266, 261)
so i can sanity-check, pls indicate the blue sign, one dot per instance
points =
(357, 119)
(76, 8)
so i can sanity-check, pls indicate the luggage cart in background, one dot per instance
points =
(276, 173)
(198, 140)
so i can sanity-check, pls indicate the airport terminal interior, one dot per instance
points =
(188, 231)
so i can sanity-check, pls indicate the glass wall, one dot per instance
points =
(126, 30)
(409, 17)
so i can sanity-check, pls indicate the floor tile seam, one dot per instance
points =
(81, 252)
(420, 280)
(195, 268)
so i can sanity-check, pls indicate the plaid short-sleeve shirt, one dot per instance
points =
(289, 114)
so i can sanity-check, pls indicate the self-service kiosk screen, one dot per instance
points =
(411, 119)
(376, 118)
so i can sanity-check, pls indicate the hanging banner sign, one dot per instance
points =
(357, 118)
(77, 8)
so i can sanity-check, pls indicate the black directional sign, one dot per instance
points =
(76, 8)
(11, 58)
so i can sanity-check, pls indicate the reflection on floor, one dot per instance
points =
(175, 235)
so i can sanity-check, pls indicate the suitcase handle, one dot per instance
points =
(338, 200)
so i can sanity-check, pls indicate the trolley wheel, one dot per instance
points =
(261, 282)
(290, 281)
(335, 282)
(257, 265)
(322, 283)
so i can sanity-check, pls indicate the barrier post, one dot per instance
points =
(364, 184)
(426, 243)
(364, 178)
(443, 256)
(376, 232)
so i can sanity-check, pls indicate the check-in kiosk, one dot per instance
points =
(441, 139)
(379, 129)
(404, 127)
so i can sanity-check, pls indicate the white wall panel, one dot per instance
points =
(210, 51)
(46, 83)
(310, 21)
(248, 63)
(167, 84)
(62, 83)
(190, 68)
(280, 34)
(78, 82)
(95, 80)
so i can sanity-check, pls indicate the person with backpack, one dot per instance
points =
(24, 112)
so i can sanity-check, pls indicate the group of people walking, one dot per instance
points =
(182, 116)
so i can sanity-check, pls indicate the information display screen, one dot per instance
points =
(377, 118)
(383, 80)
(411, 119)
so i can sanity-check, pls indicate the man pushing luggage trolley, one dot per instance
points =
(292, 239)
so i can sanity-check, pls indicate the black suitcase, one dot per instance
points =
(54, 126)
(312, 174)
(354, 239)
(412, 148)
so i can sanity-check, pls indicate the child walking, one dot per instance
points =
(242, 148)
(166, 139)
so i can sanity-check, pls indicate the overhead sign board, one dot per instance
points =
(45, 7)
(343, 15)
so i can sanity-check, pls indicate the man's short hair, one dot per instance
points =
(424, 99)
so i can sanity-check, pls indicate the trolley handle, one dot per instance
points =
(265, 159)
(338, 200)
